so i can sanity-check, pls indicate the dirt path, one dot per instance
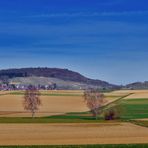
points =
(50, 134)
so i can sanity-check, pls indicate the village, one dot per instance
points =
(19, 86)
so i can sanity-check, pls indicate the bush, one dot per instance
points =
(111, 114)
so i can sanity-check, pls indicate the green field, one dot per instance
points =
(134, 108)
(52, 119)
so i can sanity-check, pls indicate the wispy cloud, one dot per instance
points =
(91, 14)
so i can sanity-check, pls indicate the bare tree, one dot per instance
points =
(94, 100)
(31, 99)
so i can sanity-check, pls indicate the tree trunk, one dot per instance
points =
(96, 116)
(33, 113)
(96, 113)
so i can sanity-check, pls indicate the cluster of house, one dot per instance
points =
(17, 86)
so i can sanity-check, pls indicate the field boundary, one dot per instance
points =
(115, 101)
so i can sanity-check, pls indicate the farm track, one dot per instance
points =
(115, 101)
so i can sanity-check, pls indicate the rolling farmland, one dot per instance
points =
(61, 121)
(53, 103)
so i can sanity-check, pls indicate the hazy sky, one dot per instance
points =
(102, 39)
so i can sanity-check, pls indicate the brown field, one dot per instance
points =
(11, 105)
(136, 94)
(143, 95)
(117, 93)
(110, 99)
(80, 92)
(112, 96)
(72, 133)
(130, 91)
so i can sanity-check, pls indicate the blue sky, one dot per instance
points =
(102, 39)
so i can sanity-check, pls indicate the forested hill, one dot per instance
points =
(62, 74)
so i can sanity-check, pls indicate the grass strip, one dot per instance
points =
(143, 123)
(52, 119)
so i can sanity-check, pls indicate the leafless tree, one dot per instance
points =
(94, 100)
(31, 99)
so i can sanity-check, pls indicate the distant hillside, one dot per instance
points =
(137, 85)
(63, 77)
